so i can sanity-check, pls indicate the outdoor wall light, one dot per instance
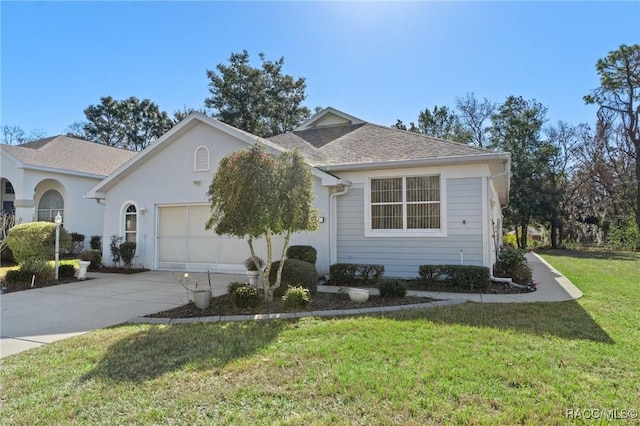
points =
(321, 220)
(143, 211)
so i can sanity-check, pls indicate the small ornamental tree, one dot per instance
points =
(255, 194)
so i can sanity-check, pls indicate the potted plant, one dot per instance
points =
(254, 266)
(83, 264)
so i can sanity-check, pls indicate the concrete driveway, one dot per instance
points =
(35, 317)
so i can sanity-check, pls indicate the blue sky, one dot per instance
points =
(376, 61)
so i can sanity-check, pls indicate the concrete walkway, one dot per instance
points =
(35, 317)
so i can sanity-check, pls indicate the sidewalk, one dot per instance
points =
(552, 287)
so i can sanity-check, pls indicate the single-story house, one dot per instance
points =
(385, 196)
(47, 176)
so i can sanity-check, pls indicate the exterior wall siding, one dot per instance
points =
(402, 256)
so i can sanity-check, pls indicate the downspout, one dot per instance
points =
(333, 235)
(508, 281)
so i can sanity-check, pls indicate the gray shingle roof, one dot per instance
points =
(62, 152)
(368, 143)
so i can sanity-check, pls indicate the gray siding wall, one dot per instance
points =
(402, 256)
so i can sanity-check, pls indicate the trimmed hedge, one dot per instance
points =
(36, 240)
(66, 271)
(463, 277)
(305, 253)
(347, 273)
(294, 273)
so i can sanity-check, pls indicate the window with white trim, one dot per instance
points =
(49, 205)
(405, 203)
(201, 159)
(130, 224)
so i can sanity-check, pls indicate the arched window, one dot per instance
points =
(50, 204)
(202, 159)
(130, 223)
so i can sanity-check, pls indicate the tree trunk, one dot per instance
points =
(523, 238)
(637, 146)
(554, 240)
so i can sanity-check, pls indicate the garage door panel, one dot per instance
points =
(183, 243)
(172, 249)
(202, 250)
(173, 222)
(197, 218)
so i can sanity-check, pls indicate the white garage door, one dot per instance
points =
(184, 244)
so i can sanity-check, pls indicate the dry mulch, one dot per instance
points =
(440, 287)
(223, 305)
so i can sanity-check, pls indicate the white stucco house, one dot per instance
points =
(385, 196)
(47, 176)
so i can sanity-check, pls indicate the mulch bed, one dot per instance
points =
(494, 288)
(27, 286)
(223, 305)
(11, 288)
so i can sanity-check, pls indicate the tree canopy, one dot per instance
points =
(262, 101)
(256, 194)
(130, 123)
(618, 98)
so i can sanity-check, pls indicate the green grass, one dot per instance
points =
(467, 364)
(74, 262)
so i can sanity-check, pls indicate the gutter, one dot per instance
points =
(448, 160)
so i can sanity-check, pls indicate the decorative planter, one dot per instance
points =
(253, 278)
(82, 269)
(358, 295)
(202, 298)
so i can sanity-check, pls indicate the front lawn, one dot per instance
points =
(464, 364)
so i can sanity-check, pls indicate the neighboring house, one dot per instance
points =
(47, 176)
(385, 196)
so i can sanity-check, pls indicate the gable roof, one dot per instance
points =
(175, 133)
(69, 155)
(358, 143)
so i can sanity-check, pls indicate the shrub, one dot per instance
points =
(296, 298)
(35, 240)
(233, 286)
(342, 273)
(77, 243)
(93, 256)
(127, 252)
(294, 273)
(347, 273)
(512, 262)
(246, 296)
(305, 253)
(368, 272)
(95, 242)
(392, 288)
(624, 234)
(114, 247)
(66, 271)
(463, 277)
(17, 276)
(510, 239)
(40, 268)
(250, 263)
